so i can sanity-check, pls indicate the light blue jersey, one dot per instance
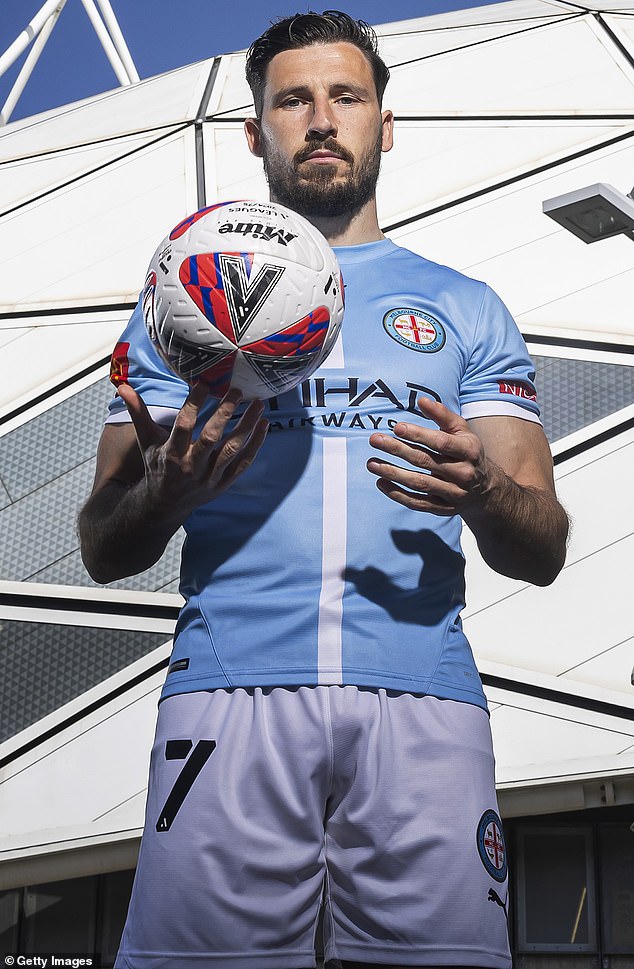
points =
(303, 573)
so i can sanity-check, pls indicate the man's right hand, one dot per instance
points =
(149, 479)
(182, 473)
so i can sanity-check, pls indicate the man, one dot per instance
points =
(322, 733)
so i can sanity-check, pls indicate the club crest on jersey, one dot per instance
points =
(491, 846)
(414, 329)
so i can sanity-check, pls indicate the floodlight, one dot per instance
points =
(594, 212)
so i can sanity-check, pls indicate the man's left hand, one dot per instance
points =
(447, 467)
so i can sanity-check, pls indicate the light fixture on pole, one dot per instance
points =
(594, 212)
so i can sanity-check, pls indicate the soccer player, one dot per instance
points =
(322, 735)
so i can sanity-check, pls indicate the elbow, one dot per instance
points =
(97, 564)
(536, 563)
(96, 569)
(559, 549)
(540, 571)
(548, 565)
(556, 565)
(547, 572)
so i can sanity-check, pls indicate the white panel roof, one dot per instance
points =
(420, 44)
(53, 351)
(90, 239)
(23, 179)
(541, 741)
(577, 73)
(153, 104)
(495, 13)
(623, 28)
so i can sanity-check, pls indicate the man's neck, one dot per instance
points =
(349, 231)
(346, 230)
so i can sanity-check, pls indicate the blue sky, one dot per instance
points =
(161, 35)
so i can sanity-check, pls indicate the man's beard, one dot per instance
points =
(317, 192)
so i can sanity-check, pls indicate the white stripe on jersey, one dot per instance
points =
(497, 408)
(334, 540)
(335, 357)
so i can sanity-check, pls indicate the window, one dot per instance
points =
(117, 888)
(556, 900)
(616, 853)
(60, 916)
(9, 917)
(79, 915)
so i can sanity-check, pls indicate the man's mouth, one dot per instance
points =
(328, 153)
(323, 157)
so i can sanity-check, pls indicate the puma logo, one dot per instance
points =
(494, 897)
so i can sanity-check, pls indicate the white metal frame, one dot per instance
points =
(38, 31)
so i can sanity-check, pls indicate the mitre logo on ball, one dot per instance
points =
(257, 230)
(260, 320)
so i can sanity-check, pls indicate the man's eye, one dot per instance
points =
(292, 102)
(346, 99)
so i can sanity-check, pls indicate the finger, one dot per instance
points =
(459, 470)
(233, 444)
(213, 430)
(418, 444)
(187, 418)
(417, 454)
(447, 420)
(415, 500)
(448, 439)
(426, 456)
(183, 429)
(250, 418)
(441, 489)
(147, 431)
(246, 456)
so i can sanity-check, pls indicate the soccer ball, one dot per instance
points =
(244, 294)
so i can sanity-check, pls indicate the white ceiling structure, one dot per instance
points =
(497, 109)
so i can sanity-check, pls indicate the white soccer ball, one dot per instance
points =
(244, 294)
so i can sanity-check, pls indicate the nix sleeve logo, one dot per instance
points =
(414, 329)
(518, 388)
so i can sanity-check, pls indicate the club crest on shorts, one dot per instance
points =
(414, 329)
(491, 846)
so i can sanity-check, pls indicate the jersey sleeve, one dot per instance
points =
(499, 377)
(136, 362)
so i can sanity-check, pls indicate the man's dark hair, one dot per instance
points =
(303, 30)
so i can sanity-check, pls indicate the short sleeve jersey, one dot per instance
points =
(303, 572)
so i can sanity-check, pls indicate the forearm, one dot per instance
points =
(521, 531)
(121, 532)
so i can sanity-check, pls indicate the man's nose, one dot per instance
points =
(322, 124)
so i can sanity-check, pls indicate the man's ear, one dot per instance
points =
(387, 130)
(252, 132)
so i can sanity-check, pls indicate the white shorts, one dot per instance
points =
(263, 803)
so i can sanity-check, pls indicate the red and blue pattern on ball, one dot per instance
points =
(202, 279)
(304, 336)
